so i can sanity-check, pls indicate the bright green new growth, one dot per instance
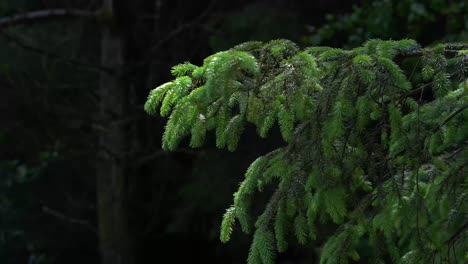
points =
(377, 148)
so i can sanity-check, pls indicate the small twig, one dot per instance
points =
(150, 157)
(86, 224)
(422, 87)
(456, 151)
(450, 51)
(181, 28)
(168, 37)
(457, 234)
(450, 117)
(158, 154)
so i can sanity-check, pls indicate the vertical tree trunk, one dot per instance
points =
(115, 240)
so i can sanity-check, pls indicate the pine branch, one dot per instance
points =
(328, 82)
(451, 50)
(43, 16)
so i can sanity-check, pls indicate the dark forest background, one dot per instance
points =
(73, 132)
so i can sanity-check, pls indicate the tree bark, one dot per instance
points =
(115, 236)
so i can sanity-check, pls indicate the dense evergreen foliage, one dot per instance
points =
(375, 143)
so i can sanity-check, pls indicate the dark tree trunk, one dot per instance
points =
(115, 236)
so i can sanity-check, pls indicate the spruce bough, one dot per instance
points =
(375, 142)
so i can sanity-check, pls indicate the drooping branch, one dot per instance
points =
(43, 15)
(349, 135)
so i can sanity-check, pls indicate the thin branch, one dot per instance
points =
(451, 50)
(158, 154)
(86, 224)
(422, 87)
(462, 147)
(451, 116)
(457, 234)
(20, 43)
(155, 48)
(182, 27)
(43, 15)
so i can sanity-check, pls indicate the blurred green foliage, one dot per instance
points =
(426, 21)
(17, 207)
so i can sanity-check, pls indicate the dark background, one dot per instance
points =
(49, 130)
